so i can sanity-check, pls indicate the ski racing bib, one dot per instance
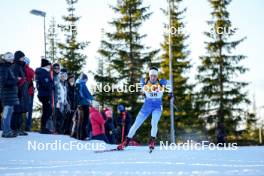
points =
(153, 91)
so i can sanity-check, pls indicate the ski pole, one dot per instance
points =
(123, 125)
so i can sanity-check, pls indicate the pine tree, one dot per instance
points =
(251, 116)
(71, 56)
(128, 55)
(222, 95)
(184, 113)
(103, 76)
(250, 134)
(52, 53)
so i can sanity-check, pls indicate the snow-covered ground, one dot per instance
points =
(17, 159)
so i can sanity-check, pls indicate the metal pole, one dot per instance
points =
(260, 134)
(261, 125)
(172, 130)
(45, 43)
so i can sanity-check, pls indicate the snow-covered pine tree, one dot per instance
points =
(128, 54)
(104, 75)
(222, 94)
(186, 118)
(71, 56)
(52, 36)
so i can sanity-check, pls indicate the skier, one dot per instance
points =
(153, 89)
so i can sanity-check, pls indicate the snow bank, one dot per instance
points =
(17, 159)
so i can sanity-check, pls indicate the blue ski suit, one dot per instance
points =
(152, 105)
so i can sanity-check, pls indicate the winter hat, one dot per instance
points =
(26, 60)
(108, 112)
(18, 55)
(56, 65)
(64, 70)
(121, 108)
(71, 76)
(84, 76)
(153, 71)
(45, 62)
(96, 105)
(8, 56)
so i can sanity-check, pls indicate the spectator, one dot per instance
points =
(45, 87)
(220, 134)
(56, 70)
(19, 71)
(72, 97)
(56, 79)
(30, 74)
(62, 105)
(85, 99)
(123, 122)
(1, 111)
(8, 93)
(109, 126)
(98, 125)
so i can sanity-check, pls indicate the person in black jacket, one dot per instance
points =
(72, 96)
(220, 134)
(8, 93)
(1, 111)
(19, 71)
(110, 131)
(45, 87)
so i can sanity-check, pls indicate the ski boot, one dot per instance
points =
(123, 144)
(151, 144)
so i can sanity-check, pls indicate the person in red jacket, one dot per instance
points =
(98, 125)
(30, 75)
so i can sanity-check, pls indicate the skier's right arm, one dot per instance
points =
(142, 84)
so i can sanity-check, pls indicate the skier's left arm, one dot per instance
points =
(167, 85)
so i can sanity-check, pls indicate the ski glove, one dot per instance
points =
(163, 82)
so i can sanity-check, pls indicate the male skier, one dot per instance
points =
(153, 89)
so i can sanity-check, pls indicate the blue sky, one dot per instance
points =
(22, 31)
